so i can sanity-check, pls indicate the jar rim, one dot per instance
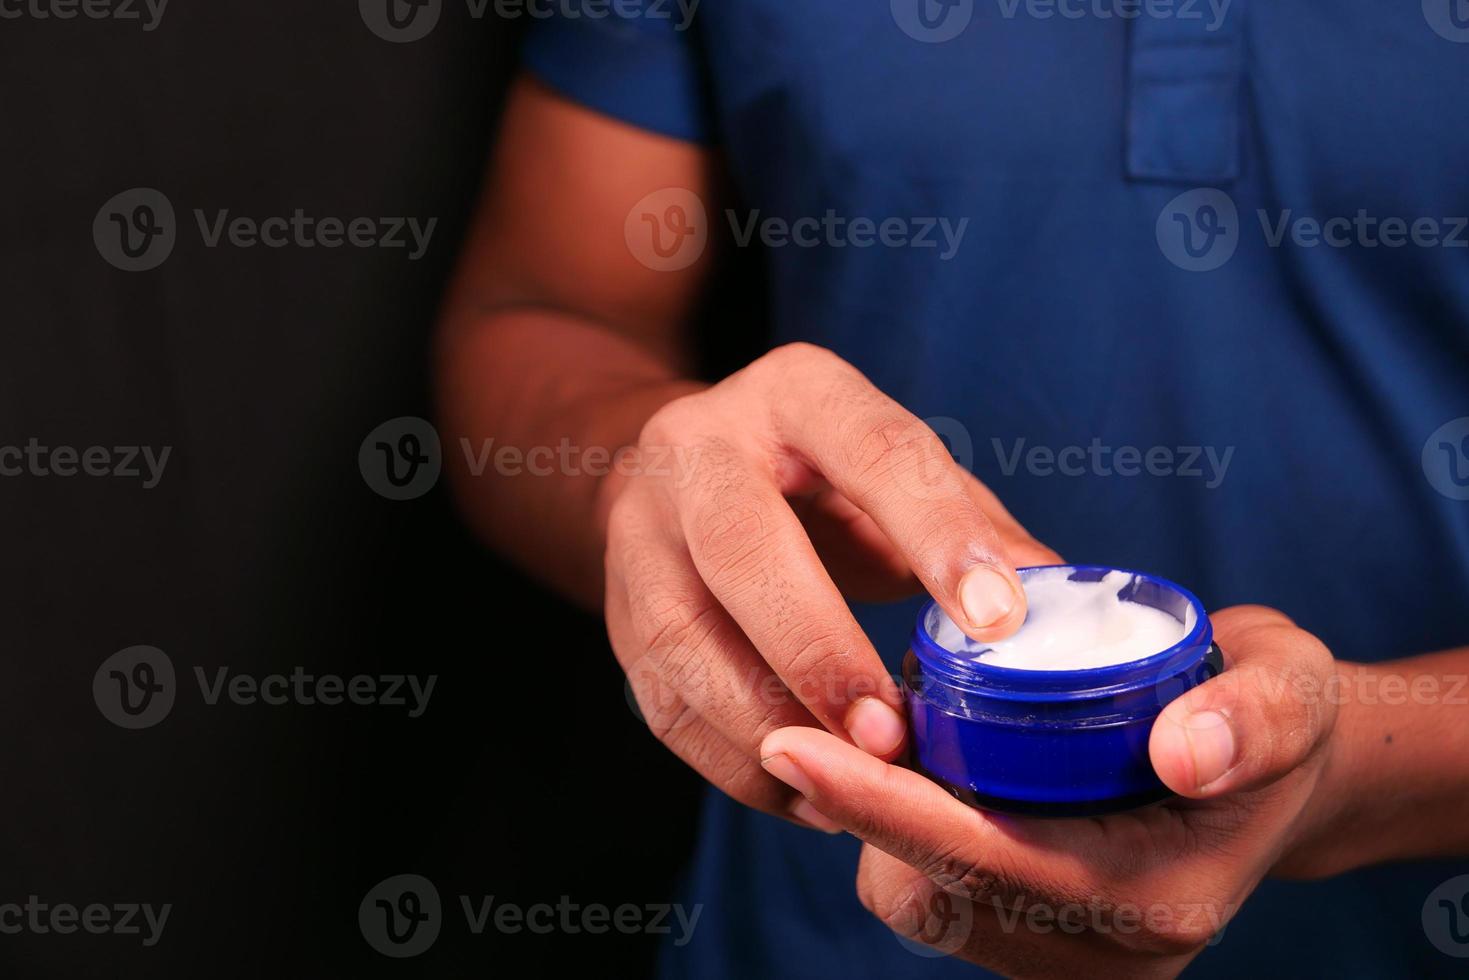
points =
(981, 678)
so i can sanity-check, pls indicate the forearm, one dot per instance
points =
(535, 406)
(1396, 785)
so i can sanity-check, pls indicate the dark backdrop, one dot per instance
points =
(262, 548)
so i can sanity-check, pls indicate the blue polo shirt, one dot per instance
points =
(1186, 284)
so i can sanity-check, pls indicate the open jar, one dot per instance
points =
(1052, 742)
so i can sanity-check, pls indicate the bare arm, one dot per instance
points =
(1397, 776)
(554, 331)
(723, 554)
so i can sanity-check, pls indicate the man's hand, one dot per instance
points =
(1132, 894)
(751, 507)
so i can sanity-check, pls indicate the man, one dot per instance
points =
(1182, 292)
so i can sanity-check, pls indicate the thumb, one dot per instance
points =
(1259, 720)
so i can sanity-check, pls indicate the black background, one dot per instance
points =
(263, 549)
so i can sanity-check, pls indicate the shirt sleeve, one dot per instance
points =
(635, 60)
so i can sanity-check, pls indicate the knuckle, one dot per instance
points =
(1184, 930)
(814, 657)
(958, 874)
(730, 536)
(798, 355)
(905, 911)
(622, 522)
(676, 423)
(678, 630)
(665, 720)
(888, 444)
(1247, 618)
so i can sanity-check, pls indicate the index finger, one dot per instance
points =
(891, 465)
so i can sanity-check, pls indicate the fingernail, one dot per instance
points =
(805, 812)
(875, 727)
(1210, 744)
(986, 595)
(784, 768)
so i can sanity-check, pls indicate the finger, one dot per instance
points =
(1258, 720)
(893, 466)
(698, 743)
(752, 553)
(865, 564)
(959, 848)
(677, 644)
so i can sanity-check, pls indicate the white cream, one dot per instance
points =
(1071, 626)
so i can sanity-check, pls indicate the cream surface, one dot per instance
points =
(1071, 626)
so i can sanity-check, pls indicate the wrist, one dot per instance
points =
(1392, 782)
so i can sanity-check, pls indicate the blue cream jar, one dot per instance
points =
(1069, 742)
